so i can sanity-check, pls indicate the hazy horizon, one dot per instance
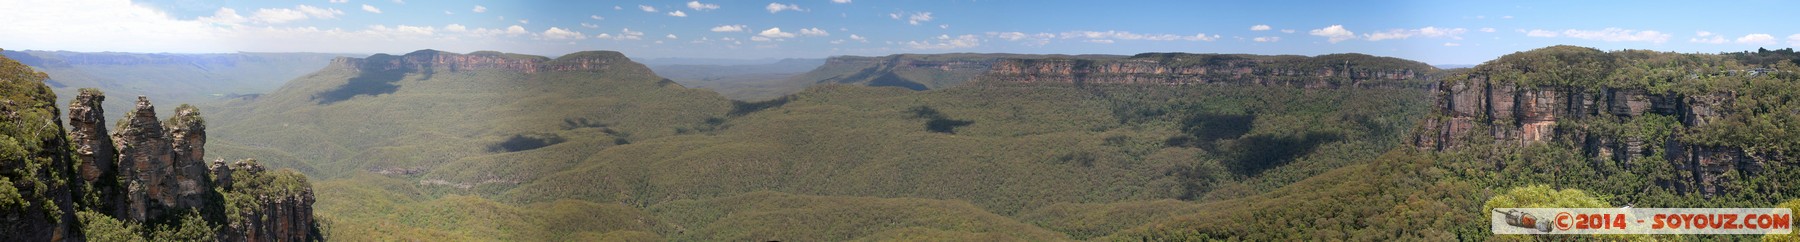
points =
(1431, 32)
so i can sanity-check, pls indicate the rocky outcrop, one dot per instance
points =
(162, 174)
(1515, 114)
(147, 165)
(425, 61)
(1182, 68)
(920, 72)
(273, 205)
(95, 150)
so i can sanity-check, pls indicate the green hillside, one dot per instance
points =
(440, 151)
(474, 151)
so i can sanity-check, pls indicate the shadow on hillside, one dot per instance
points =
(891, 80)
(937, 122)
(1205, 130)
(373, 80)
(523, 142)
(1254, 154)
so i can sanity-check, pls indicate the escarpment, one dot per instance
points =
(1624, 107)
(432, 60)
(921, 72)
(145, 181)
(1182, 68)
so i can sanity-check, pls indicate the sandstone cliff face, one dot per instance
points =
(1516, 115)
(1180, 68)
(96, 152)
(920, 72)
(432, 60)
(161, 174)
(268, 205)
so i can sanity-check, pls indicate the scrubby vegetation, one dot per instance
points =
(498, 155)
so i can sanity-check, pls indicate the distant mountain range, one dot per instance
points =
(170, 78)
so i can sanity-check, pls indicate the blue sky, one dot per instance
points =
(1437, 32)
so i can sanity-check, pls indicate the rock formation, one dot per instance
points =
(938, 71)
(149, 173)
(162, 171)
(1477, 105)
(280, 209)
(95, 151)
(1181, 68)
(433, 60)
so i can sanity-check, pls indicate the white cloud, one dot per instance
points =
(479, 9)
(1707, 37)
(515, 29)
(1125, 35)
(945, 42)
(372, 9)
(918, 17)
(1100, 41)
(403, 30)
(647, 8)
(814, 32)
(1540, 33)
(591, 26)
(840, 1)
(672, 36)
(866, 40)
(1451, 44)
(678, 13)
(778, 7)
(1434, 32)
(1334, 33)
(555, 33)
(1259, 27)
(837, 42)
(1794, 40)
(524, 21)
(301, 12)
(447, 12)
(1507, 17)
(1266, 39)
(616, 7)
(1487, 30)
(1617, 35)
(729, 28)
(1390, 34)
(624, 34)
(339, 1)
(596, 17)
(696, 5)
(400, 1)
(1038, 39)
(1757, 39)
(775, 33)
(1290, 31)
(455, 28)
(759, 38)
(1430, 32)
